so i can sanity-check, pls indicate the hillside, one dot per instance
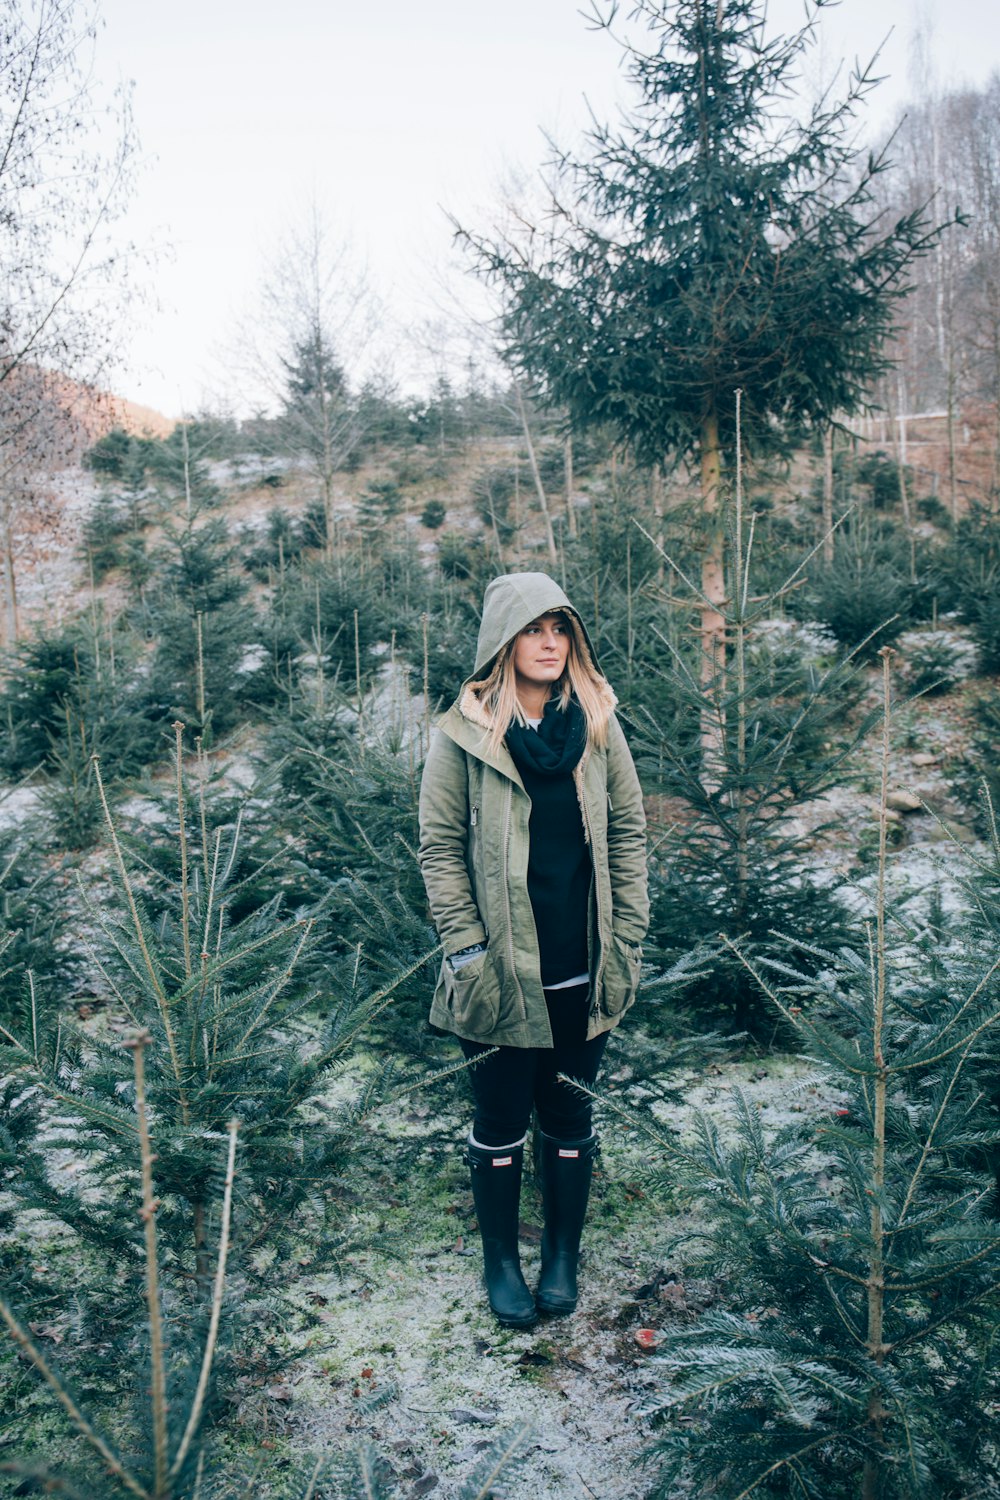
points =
(269, 687)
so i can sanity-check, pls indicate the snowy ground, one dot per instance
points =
(410, 1359)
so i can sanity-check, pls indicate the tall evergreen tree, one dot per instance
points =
(708, 243)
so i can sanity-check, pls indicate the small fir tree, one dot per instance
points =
(855, 1356)
(194, 952)
(729, 859)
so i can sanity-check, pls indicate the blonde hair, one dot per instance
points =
(497, 691)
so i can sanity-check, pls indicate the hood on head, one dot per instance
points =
(510, 603)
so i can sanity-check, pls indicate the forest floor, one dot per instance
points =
(409, 1359)
(406, 1355)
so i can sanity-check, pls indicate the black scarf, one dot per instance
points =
(555, 747)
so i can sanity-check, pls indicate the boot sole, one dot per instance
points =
(545, 1311)
(515, 1322)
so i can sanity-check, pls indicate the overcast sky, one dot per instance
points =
(387, 115)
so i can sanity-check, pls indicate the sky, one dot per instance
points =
(388, 117)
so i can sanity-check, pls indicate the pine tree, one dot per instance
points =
(855, 1355)
(705, 244)
(196, 955)
(731, 861)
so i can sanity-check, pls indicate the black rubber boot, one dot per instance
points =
(566, 1168)
(496, 1192)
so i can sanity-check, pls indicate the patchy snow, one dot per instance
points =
(18, 805)
(410, 1359)
(416, 1330)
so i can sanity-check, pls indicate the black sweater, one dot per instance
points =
(559, 873)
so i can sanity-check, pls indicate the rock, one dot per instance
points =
(925, 758)
(425, 1484)
(903, 801)
(947, 831)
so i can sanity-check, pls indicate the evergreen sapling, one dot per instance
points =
(855, 1355)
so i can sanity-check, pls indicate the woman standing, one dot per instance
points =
(533, 852)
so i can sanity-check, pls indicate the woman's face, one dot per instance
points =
(540, 652)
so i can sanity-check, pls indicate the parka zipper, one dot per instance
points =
(508, 803)
(594, 1004)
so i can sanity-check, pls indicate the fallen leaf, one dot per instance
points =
(466, 1414)
(424, 1485)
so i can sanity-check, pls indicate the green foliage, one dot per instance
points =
(984, 620)
(881, 476)
(33, 895)
(208, 663)
(971, 569)
(737, 757)
(349, 790)
(283, 543)
(979, 768)
(337, 618)
(705, 244)
(434, 514)
(119, 456)
(934, 661)
(71, 695)
(862, 595)
(103, 529)
(493, 490)
(856, 1351)
(198, 948)
(465, 557)
(380, 504)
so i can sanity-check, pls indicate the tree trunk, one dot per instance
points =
(536, 476)
(875, 1281)
(659, 511)
(995, 486)
(571, 528)
(952, 477)
(713, 588)
(12, 624)
(828, 494)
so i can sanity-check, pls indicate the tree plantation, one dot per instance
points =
(744, 411)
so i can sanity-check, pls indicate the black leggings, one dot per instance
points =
(511, 1082)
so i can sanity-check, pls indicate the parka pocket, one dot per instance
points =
(472, 995)
(622, 972)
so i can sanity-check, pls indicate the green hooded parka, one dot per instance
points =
(473, 854)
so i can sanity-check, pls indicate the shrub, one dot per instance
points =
(933, 661)
(279, 546)
(100, 543)
(381, 503)
(434, 514)
(462, 557)
(863, 598)
(980, 765)
(209, 983)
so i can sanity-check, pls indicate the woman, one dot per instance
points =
(532, 848)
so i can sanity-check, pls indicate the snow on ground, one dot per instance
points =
(410, 1359)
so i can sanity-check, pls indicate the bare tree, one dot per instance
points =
(304, 346)
(976, 122)
(62, 268)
